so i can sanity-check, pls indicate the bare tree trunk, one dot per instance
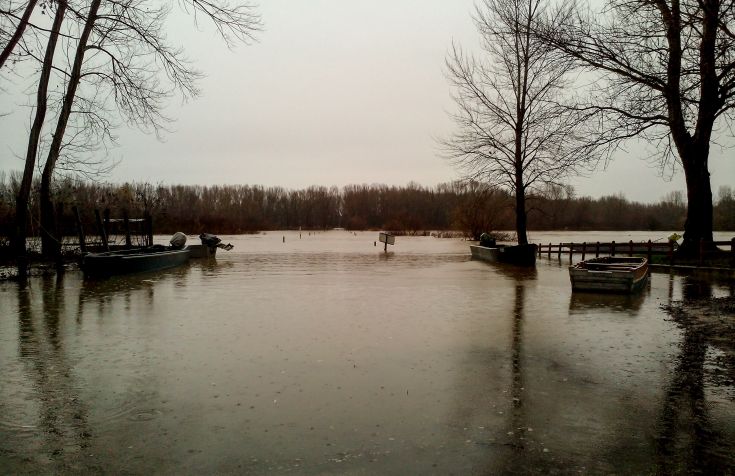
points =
(49, 242)
(19, 31)
(521, 219)
(698, 225)
(22, 199)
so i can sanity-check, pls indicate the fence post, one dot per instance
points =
(612, 248)
(126, 224)
(671, 252)
(149, 228)
(80, 230)
(584, 249)
(101, 227)
(106, 215)
(571, 250)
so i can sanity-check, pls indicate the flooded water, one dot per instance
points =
(324, 355)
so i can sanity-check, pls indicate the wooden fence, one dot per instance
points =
(630, 248)
(104, 231)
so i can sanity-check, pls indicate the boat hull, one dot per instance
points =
(132, 261)
(522, 255)
(608, 275)
(202, 251)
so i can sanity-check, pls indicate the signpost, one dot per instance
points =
(388, 239)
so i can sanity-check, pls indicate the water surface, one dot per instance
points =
(324, 355)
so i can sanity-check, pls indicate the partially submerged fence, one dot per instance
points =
(630, 248)
(124, 232)
(80, 231)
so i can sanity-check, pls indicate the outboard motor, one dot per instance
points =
(209, 240)
(213, 241)
(487, 241)
(178, 240)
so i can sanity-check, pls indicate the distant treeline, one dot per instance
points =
(472, 208)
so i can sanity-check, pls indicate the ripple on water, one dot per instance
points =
(21, 430)
(130, 409)
(145, 415)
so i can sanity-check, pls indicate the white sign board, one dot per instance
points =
(386, 238)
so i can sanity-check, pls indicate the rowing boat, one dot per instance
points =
(610, 274)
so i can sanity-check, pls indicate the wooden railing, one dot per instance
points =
(630, 248)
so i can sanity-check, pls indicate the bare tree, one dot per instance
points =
(480, 207)
(17, 32)
(22, 199)
(512, 131)
(666, 73)
(122, 49)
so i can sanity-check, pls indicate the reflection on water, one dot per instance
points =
(690, 440)
(61, 431)
(326, 355)
(580, 303)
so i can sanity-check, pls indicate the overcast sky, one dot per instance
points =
(335, 92)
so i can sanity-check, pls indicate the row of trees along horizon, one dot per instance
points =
(472, 208)
(556, 88)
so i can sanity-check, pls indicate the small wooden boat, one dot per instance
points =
(137, 260)
(610, 274)
(522, 255)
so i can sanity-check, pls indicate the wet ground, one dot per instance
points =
(324, 355)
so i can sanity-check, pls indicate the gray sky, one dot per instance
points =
(335, 92)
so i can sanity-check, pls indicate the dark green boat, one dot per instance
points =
(138, 260)
(521, 255)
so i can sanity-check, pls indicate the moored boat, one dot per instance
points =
(522, 255)
(136, 260)
(610, 274)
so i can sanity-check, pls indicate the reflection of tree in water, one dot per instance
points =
(517, 459)
(62, 421)
(688, 442)
(516, 388)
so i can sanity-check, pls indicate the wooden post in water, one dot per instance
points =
(648, 246)
(612, 248)
(106, 215)
(80, 230)
(584, 249)
(126, 225)
(148, 225)
(101, 228)
(597, 250)
(732, 252)
(559, 252)
(671, 252)
(571, 250)
(549, 249)
(630, 248)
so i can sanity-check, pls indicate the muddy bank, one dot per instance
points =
(712, 322)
